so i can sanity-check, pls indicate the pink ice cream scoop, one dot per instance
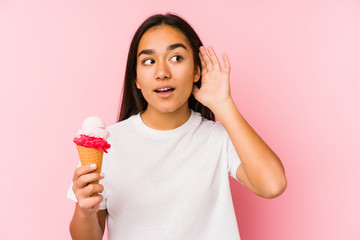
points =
(93, 134)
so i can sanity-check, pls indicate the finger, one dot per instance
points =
(87, 178)
(203, 65)
(83, 170)
(226, 63)
(195, 90)
(214, 59)
(88, 191)
(206, 59)
(89, 203)
(92, 188)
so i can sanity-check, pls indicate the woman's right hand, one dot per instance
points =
(83, 190)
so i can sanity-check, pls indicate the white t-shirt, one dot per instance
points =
(169, 184)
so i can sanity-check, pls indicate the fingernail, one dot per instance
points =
(102, 175)
(93, 165)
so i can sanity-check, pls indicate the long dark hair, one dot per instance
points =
(133, 101)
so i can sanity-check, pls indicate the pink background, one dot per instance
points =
(295, 77)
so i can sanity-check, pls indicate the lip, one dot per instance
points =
(164, 94)
(166, 86)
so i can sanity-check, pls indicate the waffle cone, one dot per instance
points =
(90, 156)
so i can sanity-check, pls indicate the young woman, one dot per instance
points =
(166, 173)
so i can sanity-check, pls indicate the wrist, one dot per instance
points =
(85, 213)
(222, 107)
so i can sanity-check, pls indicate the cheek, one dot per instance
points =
(140, 74)
(186, 72)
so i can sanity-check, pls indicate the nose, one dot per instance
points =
(162, 71)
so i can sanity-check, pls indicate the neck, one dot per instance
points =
(165, 120)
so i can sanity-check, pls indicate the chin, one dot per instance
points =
(169, 109)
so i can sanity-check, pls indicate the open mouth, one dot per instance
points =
(163, 90)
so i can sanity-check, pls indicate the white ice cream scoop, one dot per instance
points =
(94, 127)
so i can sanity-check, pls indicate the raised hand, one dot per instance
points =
(215, 83)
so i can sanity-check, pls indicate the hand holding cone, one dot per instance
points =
(91, 143)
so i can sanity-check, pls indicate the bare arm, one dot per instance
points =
(88, 221)
(261, 170)
(83, 226)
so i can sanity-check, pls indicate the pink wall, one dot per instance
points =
(295, 77)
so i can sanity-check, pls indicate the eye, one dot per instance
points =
(176, 58)
(148, 61)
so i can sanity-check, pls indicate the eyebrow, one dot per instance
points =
(169, 48)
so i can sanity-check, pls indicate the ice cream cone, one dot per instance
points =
(91, 143)
(90, 156)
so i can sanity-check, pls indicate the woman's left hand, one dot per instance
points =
(215, 82)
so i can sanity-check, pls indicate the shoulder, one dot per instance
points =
(121, 136)
(122, 124)
(211, 127)
(121, 129)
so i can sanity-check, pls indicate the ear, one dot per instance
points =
(197, 74)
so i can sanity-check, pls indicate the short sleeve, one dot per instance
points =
(70, 193)
(103, 202)
(233, 159)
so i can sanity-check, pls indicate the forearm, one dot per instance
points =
(261, 165)
(85, 227)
